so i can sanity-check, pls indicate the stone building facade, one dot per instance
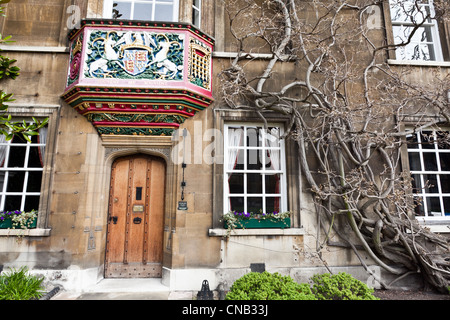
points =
(132, 174)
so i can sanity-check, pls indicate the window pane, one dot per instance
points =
(421, 46)
(12, 203)
(35, 158)
(142, 11)
(164, 12)
(16, 156)
(414, 161)
(272, 183)
(236, 159)
(273, 159)
(407, 11)
(2, 180)
(430, 183)
(416, 183)
(253, 160)
(414, 51)
(34, 181)
(253, 137)
(254, 183)
(447, 206)
(31, 203)
(429, 160)
(445, 183)
(235, 136)
(419, 207)
(412, 141)
(121, 10)
(434, 206)
(15, 181)
(273, 137)
(272, 204)
(236, 183)
(445, 161)
(237, 204)
(428, 141)
(254, 204)
(195, 17)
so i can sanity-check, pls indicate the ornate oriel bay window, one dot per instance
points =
(138, 77)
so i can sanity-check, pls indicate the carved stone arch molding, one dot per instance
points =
(113, 153)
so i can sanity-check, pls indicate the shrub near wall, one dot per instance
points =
(341, 286)
(268, 286)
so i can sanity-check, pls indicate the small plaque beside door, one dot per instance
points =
(182, 205)
(138, 208)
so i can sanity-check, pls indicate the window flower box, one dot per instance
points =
(5, 224)
(18, 219)
(243, 220)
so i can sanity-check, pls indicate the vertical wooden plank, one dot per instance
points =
(147, 210)
(117, 208)
(156, 211)
(136, 230)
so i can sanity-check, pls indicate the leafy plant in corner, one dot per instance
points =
(19, 285)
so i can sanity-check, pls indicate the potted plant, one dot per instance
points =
(242, 220)
(18, 219)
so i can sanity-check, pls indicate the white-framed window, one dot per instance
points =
(254, 168)
(196, 13)
(429, 164)
(21, 169)
(154, 10)
(425, 44)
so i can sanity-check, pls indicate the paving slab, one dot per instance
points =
(125, 289)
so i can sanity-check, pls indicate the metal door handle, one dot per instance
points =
(137, 220)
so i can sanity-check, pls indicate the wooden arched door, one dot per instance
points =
(134, 246)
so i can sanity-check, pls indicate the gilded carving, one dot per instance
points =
(134, 55)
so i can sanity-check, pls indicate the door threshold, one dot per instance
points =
(129, 285)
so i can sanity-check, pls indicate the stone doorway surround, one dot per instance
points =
(117, 146)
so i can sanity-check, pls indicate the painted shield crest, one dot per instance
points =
(135, 61)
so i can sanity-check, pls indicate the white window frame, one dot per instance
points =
(404, 24)
(282, 171)
(108, 6)
(421, 192)
(198, 9)
(6, 169)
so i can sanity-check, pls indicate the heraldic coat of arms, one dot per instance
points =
(134, 54)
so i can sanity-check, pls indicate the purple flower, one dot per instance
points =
(2, 218)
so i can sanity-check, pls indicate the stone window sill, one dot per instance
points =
(220, 232)
(28, 232)
(419, 63)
